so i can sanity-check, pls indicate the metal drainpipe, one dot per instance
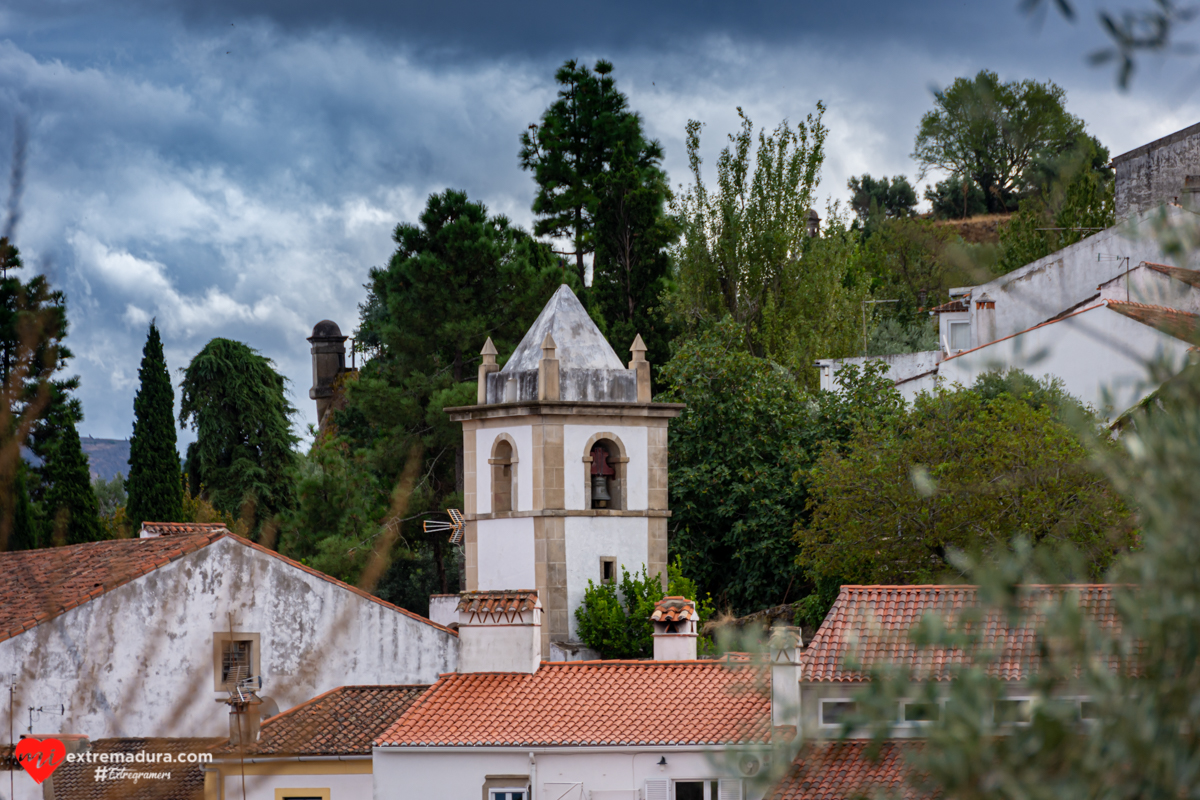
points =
(532, 777)
(220, 781)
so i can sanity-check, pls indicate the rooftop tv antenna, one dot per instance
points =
(455, 525)
(61, 710)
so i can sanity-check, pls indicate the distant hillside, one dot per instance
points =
(106, 457)
(979, 230)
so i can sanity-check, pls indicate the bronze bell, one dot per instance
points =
(600, 495)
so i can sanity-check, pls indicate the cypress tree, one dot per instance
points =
(72, 515)
(154, 489)
(24, 534)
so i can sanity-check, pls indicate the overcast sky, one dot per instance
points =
(235, 167)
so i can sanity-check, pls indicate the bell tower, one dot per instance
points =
(565, 467)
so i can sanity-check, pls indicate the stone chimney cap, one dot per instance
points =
(326, 329)
(674, 609)
(497, 602)
(812, 214)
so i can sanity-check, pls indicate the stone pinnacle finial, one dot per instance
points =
(638, 348)
(486, 367)
(548, 371)
(548, 346)
(489, 352)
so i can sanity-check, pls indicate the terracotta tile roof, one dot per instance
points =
(78, 781)
(343, 721)
(1180, 324)
(39, 585)
(952, 306)
(174, 528)
(1188, 276)
(841, 770)
(592, 703)
(871, 624)
(507, 603)
(673, 609)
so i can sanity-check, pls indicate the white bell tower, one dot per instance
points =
(565, 462)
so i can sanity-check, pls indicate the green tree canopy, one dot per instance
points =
(748, 432)
(155, 492)
(68, 501)
(1073, 198)
(873, 199)
(457, 277)
(244, 449)
(959, 470)
(588, 131)
(745, 251)
(993, 133)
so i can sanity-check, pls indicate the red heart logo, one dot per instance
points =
(40, 757)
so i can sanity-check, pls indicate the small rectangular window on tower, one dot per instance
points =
(608, 570)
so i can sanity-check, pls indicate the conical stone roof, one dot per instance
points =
(580, 343)
(588, 368)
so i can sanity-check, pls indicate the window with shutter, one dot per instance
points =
(658, 790)
(729, 789)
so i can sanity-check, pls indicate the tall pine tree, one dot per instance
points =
(153, 485)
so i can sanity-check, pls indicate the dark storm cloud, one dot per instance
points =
(236, 168)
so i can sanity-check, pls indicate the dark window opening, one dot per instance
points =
(689, 790)
(835, 712)
(608, 570)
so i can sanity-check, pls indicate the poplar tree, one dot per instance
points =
(155, 492)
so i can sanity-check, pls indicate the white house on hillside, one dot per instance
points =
(1062, 315)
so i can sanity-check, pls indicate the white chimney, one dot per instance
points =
(785, 649)
(675, 620)
(499, 631)
(985, 320)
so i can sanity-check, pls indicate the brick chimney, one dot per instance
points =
(499, 631)
(675, 620)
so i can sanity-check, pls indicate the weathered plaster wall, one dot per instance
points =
(506, 553)
(575, 439)
(1049, 286)
(621, 771)
(588, 539)
(138, 660)
(1145, 285)
(901, 367)
(1091, 352)
(1156, 173)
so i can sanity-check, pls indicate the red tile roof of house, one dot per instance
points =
(77, 781)
(841, 770)
(175, 528)
(950, 307)
(871, 624)
(39, 585)
(673, 609)
(343, 721)
(1188, 276)
(1173, 322)
(592, 703)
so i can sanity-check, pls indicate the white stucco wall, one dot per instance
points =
(401, 774)
(485, 439)
(506, 553)
(590, 538)
(262, 787)
(575, 439)
(1090, 352)
(900, 367)
(1145, 285)
(138, 660)
(1044, 288)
